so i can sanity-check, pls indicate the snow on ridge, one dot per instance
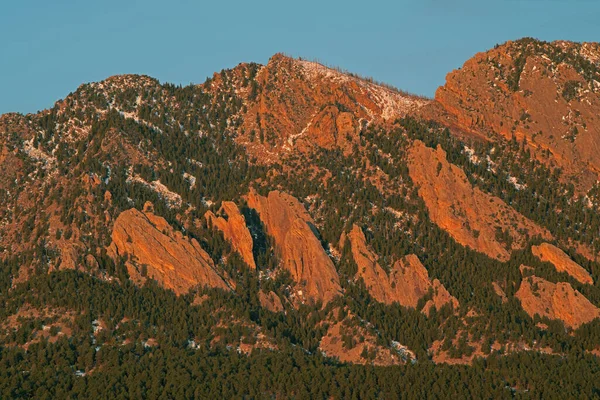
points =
(292, 139)
(391, 102)
(590, 53)
(172, 198)
(37, 154)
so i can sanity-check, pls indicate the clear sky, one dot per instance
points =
(48, 48)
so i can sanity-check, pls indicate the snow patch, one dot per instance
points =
(171, 198)
(191, 179)
(392, 104)
(471, 154)
(514, 181)
(37, 154)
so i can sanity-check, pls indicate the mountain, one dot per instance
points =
(542, 94)
(314, 227)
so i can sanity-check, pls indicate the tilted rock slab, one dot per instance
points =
(562, 262)
(556, 301)
(407, 282)
(300, 251)
(468, 214)
(173, 260)
(233, 225)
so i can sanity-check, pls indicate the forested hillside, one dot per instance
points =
(293, 230)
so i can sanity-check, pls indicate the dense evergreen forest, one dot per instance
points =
(86, 365)
(91, 332)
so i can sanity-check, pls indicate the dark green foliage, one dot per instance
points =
(191, 132)
(78, 367)
(569, 91)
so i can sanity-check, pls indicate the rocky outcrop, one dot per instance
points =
(545, 94)
(300, 251)
(232, 223)
(350, 342)
(270, 301)
(498, 290)
(556, 301)
(154, 249)
(440, 298)
(472, 217)
(297, 105)
(562, 262)
(408, 280)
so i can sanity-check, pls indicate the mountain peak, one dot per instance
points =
(296, 104)
(545, 94)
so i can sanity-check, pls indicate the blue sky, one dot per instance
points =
(50, 47)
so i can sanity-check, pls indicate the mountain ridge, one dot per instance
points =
(298, 205)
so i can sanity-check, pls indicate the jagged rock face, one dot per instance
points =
(375, 277)
(556, 301)
(407, 282)
(173, 260)
(300, 251)
(562, 262)
(545, 93)
(472, 217)
(270, 301)
(232, 223)
(298, 104)
(441, 297)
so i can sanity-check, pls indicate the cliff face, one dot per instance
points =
(556, 301)
(562, 262)
(232, 223)
(270, 301)
(547, 94)
(336, 142)
(300, 251)
(173, 260)
(407, 282)
(297, 105)
(472, 217)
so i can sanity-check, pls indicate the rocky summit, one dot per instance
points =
(307, 216)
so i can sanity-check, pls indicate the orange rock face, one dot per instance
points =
(441, 297)
(174, 261)
(353, 343)
(332, 345)
(298, 105)
(270, 301)
(300, 251)
(406, 283)
(536, 92)
(233, 225)
(472, 217)
(562, 262)
(498, 290)
(556, 301)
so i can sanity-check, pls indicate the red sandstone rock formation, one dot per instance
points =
(406, 283)
(301, 252)
(562, 262)
(556, 301)
(472, 217)
(546, 94)
(173, 260)
(350, 342)
(297, 105)
(270, 301)
(232, 223)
